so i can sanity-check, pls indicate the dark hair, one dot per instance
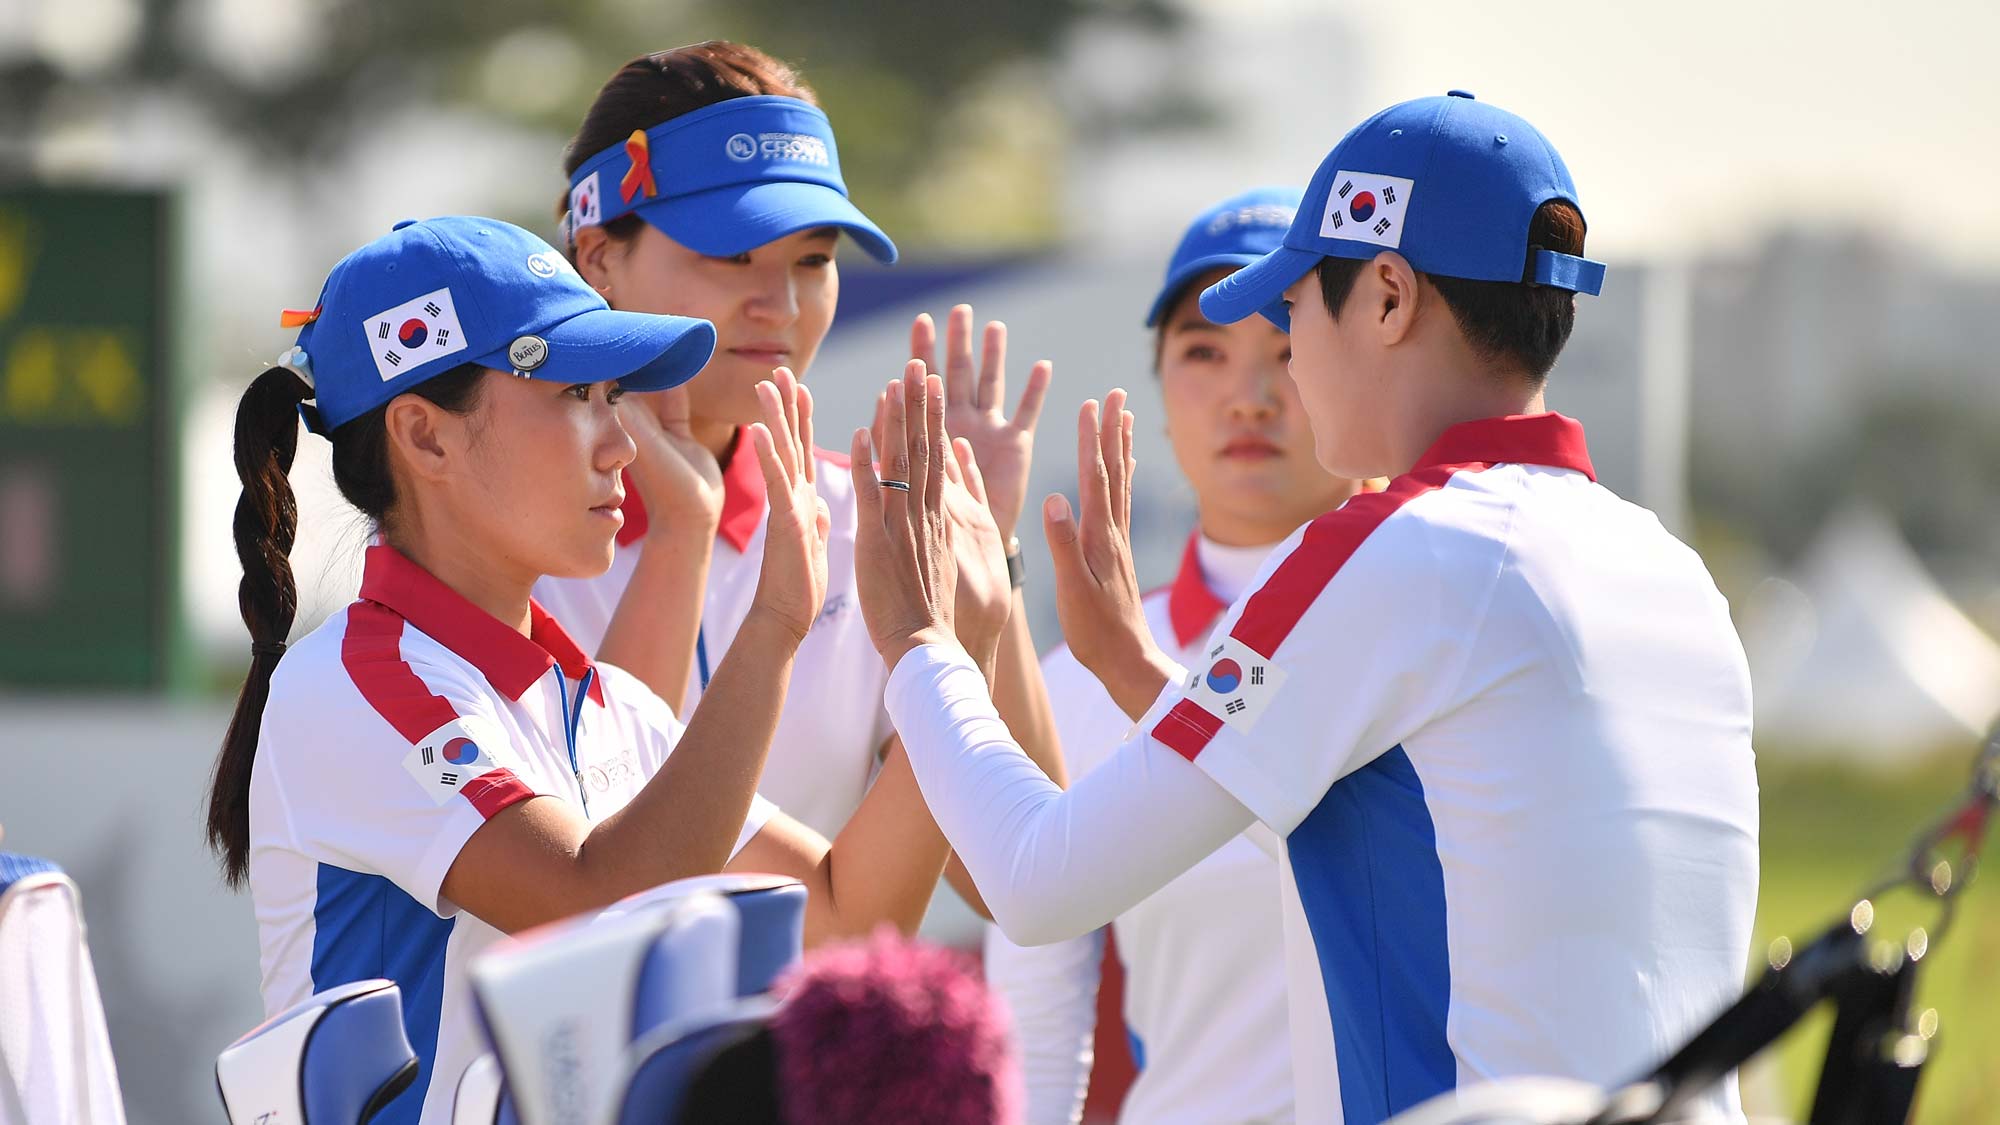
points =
(1509, 322)
(267, 524)
(660, 87)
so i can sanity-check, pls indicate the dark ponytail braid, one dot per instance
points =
(267, 524)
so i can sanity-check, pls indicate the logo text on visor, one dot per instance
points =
(799, 148)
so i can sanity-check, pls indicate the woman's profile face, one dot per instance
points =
(771, 307)
(534, 475)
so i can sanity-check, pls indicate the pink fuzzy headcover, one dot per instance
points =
(893, 1030)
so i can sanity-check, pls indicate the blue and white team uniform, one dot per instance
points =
(831, 731)
(406, 721)
(1203, 956)
(393, 732)
(1499, 717)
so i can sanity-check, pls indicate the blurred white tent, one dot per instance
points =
(1861, 653)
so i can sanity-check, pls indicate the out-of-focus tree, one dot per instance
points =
(932, 100)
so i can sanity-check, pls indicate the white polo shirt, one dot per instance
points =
(1203, 956)
(393, 731)
(824, 752)
(1502, 720)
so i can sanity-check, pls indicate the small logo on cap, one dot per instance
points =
(527, 353)
(544, 264)
(742, 146)
(1258, 215)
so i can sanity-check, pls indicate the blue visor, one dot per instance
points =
(727, 179)
(1233, 233)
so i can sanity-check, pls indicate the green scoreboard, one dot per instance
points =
(88, 416)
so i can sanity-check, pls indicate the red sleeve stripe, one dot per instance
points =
(371, 650)
(1275, 609)
(495, 790)
(1187, 729)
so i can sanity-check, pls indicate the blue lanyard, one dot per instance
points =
(572, 717)
(701, 655)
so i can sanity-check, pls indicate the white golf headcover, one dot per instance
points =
(772, 936)
(55, 1056)
(477, 1099)
(335, 1059)
(561, 1002)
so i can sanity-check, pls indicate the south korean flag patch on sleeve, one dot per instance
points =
(414, 333)
(1234, 682)
(455, 755)
(1365, 207)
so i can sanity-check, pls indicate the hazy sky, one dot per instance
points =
(1688, 124)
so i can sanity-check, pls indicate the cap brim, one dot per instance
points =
(1177, 282)
(1258, 288)
(727, 221)
(641, 351)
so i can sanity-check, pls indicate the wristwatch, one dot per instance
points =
(1017, 570)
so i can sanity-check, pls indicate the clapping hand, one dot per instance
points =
(1097, 588)
(1003, 446)
(791, 587)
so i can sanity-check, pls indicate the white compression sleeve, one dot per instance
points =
(1051, 864)
(1051, 993)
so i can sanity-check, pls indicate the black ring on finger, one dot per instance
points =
(898, 485)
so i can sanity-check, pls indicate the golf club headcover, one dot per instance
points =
(476, 1101)
(772, 936)
(335, 1059)
(560, 1002)
(730, 1051)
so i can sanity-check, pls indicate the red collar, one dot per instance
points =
(509, 661)
(742, 500)
(1518, 439)
(1191, 606)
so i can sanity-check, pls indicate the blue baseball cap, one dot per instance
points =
(726, 179)
(1451, 183)
(433, 295)
(1235, 232)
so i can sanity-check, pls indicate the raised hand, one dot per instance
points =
(676, 475)
(903, 564)
(974, 400)
(1097, 589)
(791, 587)
(984, 596)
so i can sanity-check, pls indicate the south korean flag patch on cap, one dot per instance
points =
(1365, 207)
(1234, 682)
(413, 333)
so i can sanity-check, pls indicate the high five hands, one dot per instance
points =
(910, 525)
(1097, 587)
(974, 400)
(912, 557)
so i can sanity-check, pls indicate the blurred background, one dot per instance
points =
(1796, 360)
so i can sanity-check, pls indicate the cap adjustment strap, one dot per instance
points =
(1566, 271)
